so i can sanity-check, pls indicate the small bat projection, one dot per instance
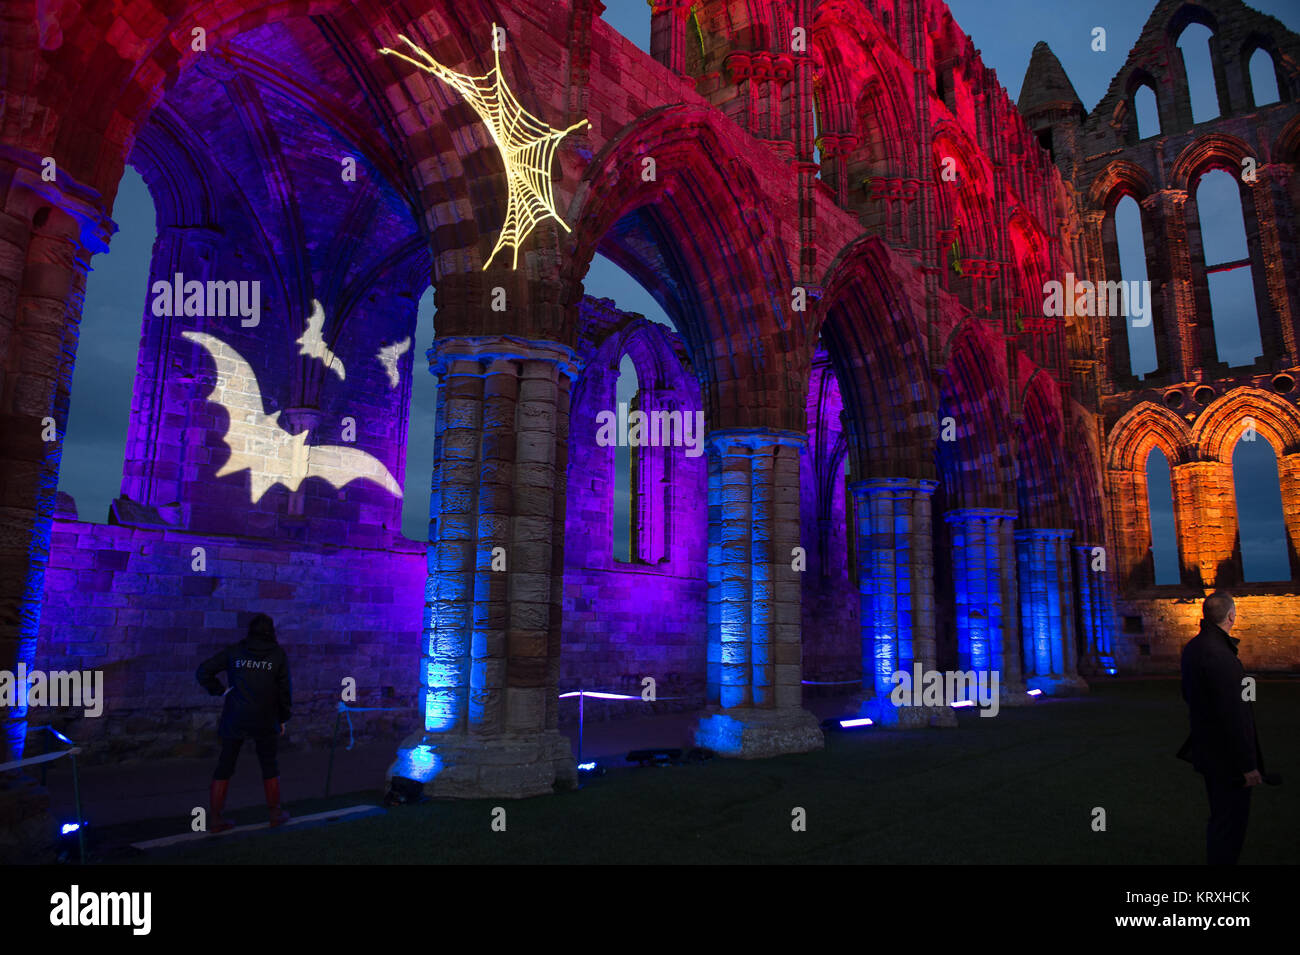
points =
(388, 356)
(313, 344)
(258, 442)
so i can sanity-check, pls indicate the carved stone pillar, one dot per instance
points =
(490, 658)
(755, 654)
(1047, 621)
(985, 580)
(896, 583)
(48, 232)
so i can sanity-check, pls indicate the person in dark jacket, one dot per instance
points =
(257, 702)
(1222, 746)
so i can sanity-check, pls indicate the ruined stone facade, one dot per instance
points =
(1194, 406)
(903, 457)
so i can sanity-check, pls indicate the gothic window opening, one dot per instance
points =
(1198, 63)
(1260, 525)
(1147, 110)
(1263, 78)
(625, 391)
(95, 439)
(1227, 266)
(1131, 245)
(1160, 513)
(421, 427)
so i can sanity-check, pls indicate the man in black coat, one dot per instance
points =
(257, 707)
(1222, 746)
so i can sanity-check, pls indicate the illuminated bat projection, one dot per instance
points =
(260, 445)
(388, 356)
(527, 145)
(313, 342)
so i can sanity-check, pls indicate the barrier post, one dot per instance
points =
(582, 695)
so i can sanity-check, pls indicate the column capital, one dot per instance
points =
(488, 348)
(755, 439)
(24, 191)
(898, 484)
(963, 514)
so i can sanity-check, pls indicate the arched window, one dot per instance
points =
(1263, 78)
(625, 395)
(99, 410)
(1227, 269)
(1160, 509)
(420, 428)
(1147, 109)
(1194, 44)
(1260, 524)
(1133, 268)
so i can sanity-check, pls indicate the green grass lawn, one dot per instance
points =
(1018, 788)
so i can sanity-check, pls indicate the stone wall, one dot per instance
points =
(1267, 623)
(624, 624)
(125, 601)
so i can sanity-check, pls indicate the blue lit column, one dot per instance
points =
(987, 596)
(489, 667)
(896, 584)
(1047, 625)
(1094, 610)
(755, 652)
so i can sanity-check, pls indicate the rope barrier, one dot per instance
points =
(33, 760)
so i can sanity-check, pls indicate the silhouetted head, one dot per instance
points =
(261, 628)
(1220, 609)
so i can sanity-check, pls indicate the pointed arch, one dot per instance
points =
(1222, 424)
(705, 243)
(877, 350)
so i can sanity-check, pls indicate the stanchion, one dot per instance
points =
(341, 711)
(603, 695)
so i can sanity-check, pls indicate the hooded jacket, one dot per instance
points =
(257, 671)
(1223, 740)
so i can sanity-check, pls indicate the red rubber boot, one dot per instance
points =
(216, 803)
(278, 816)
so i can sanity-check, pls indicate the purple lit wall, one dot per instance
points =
(624, 621)
(830, 608)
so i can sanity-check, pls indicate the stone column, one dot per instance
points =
(1205, 513)
(1130, 522)
(985, 580)
(1094, 588)
(491, 645)
(896, 583)
(48, 231)
(668, 33)
(1047, 624)
(755, 662)
(1288, 474)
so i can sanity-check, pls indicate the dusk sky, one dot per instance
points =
(1005, 31)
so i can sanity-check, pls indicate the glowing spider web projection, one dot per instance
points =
(527, 145)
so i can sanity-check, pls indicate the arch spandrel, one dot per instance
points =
(1223, 423)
